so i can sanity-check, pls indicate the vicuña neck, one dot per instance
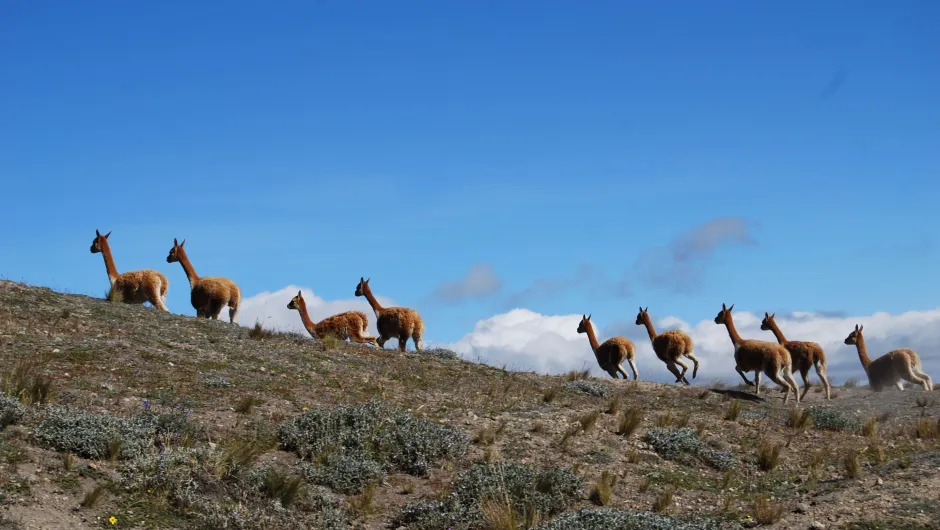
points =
(648, 322)
(310, 325)
(376, 307)
(592, 337)
(187, 267)
(108, 260)
(777, 333)
(862, 350)
(732, 332)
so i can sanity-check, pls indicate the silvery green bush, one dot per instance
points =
(675, 443)
(545, 491)
(590, 388)
(625, 519)
(11, 410)
(87, 434)
(831, 419)
(345, 473)
(394, 439)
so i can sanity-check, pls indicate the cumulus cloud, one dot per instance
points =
(680, 266)
(479, 281)
(525, 340)
(595, 281)
(271, 310)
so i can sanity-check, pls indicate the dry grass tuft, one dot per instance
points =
(603, 489)
(850, 463)
(663, 501)
(733, 411)
(766, 512)
(799, 420)
(768, 454)
(629, 421)
(92, 497)
(588, 420)
(614, 406)
(331, 342)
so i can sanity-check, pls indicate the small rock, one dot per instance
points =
(879, 482)
(801, 507)
(817, 526)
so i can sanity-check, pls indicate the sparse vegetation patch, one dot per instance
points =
(89, 434)
(623, 519)
(392, 438)
(529, 492)
(832, 420)
(11, 411)
(677, 443)
(588, 387)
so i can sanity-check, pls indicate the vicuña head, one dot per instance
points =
(398, 322)
(174, 255)
(612, 352)
(722, 315)
(767, 323)
(296, 301)
(99, 242)
(852, 339)
(132, 287)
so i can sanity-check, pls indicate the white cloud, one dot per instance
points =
(526, 340)
(271, 310)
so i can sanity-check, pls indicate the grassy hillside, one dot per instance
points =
(125, 417)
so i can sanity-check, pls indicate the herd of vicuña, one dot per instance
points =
(777, 360)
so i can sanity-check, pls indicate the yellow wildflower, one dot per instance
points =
(113, 520)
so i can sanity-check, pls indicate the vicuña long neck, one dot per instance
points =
(777, 333)
(732, 332)
(648, 322)
(376, 307)
(310, 325)
(862, 350)
(187, 268)
(108, 260)
(592, 337)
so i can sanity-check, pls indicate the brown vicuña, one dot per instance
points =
(759, 356)
(803, 354)
(611, 353)
(890, 368)
(350, 325)
(208, 294)
(397, 322)
(669, 346)
(132, 287)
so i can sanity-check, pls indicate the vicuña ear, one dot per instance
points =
(589, 316)
(106, 235)
(298, 293)
(766, 315)
(97, 233)
(175, 242)
(860, 328)
(647, 309)
(730, 308)
(183, 243)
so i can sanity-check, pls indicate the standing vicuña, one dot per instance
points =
(669, 346)
(803, 354)
(612, 352)
(208, 294)
(348, 325)
(132, 287)
(890, 368)
(400, 322)
(757, 356)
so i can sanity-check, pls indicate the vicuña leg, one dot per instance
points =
(675, 371)
(757, 382)
(803, 373)
(740, 371)
(153, 294)
(694, 359)
(416, 338)
(613, 373)
(636, 374)
(402, 339)
(909, 374)
(232, 313)
(685, 368)
(923, 375)
(821, 372)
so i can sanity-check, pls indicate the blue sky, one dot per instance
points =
(555, 143)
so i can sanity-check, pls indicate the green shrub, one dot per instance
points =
(676, 443)
(588, 388)
(625, 519)
(394, 439)
(547, 492)
(88, 434)
(441, 353)
(11, 410)
(832, 420)
(345, 473)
